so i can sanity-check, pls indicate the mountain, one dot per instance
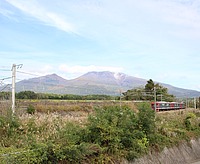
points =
(109, 79)
(49, 83)
(180, 92)
(108, 83)
(105, 83)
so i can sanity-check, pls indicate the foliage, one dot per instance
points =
(26, 95)
(110, 134)
(146, 118)
(30, 109)
(23, 156)
(134, 94)
(147, 93)
(149, 87)
(33, 95)
(116, 130)
(178, 126)
(5, 95)
(188, 121)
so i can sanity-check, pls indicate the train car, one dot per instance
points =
(162, 105)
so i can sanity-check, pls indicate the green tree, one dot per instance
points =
(147, 93)
(134, 94)
(149, 87)
(26, 95)
(162, 93)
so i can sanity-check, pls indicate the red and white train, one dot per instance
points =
(162, 105)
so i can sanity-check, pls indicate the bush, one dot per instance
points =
(146, 118)
(9, 130)
(115, 129)
(188, 121)
(30, 109)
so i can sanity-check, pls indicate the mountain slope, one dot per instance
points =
(109, 79)
(106, 82)
(93, 83)
(48, 83)
(180, 92)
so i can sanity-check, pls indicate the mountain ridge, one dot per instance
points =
(105, 82)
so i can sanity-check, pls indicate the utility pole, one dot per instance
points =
(161, 97)
(186, 103)
(120, 98)
(14, 68)
(194, 103)
(13, 87)
(199, 103)
(155, 99)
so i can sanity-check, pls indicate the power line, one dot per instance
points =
(4, 87)
(28, 73)
(6, 78)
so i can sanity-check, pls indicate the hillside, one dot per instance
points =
(108, 83)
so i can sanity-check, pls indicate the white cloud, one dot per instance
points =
(39, 12)
(85, 69)
(32, 71)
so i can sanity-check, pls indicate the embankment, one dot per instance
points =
(185, 153)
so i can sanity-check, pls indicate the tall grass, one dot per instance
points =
(100, 134)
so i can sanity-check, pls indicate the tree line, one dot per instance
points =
(33, 95)
(148, 92)
(145, 93)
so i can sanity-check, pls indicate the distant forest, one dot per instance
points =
(33, 95)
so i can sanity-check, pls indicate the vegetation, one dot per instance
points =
(26, 95)
(147, 93)
(110, 134)
(30, 109)
(33, 95)
(5, 95)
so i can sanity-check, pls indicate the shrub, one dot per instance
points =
(115, 129)
(146, 118)
(9, 130)
(30, 109)
(188, 121)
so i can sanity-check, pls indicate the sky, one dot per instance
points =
(149, 39)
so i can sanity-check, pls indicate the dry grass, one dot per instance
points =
(52, 115)
(4, 106)
(45, 126)
(49, 106)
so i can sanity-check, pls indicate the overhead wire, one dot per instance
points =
(6, 78)
(4, 87)
(28, 73)
(41, 83)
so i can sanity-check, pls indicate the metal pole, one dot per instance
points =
(155, 99)
(13, 87)
(199, 102)
(120, 98)
(186, 103)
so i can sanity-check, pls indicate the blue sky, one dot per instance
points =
(157, 39)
